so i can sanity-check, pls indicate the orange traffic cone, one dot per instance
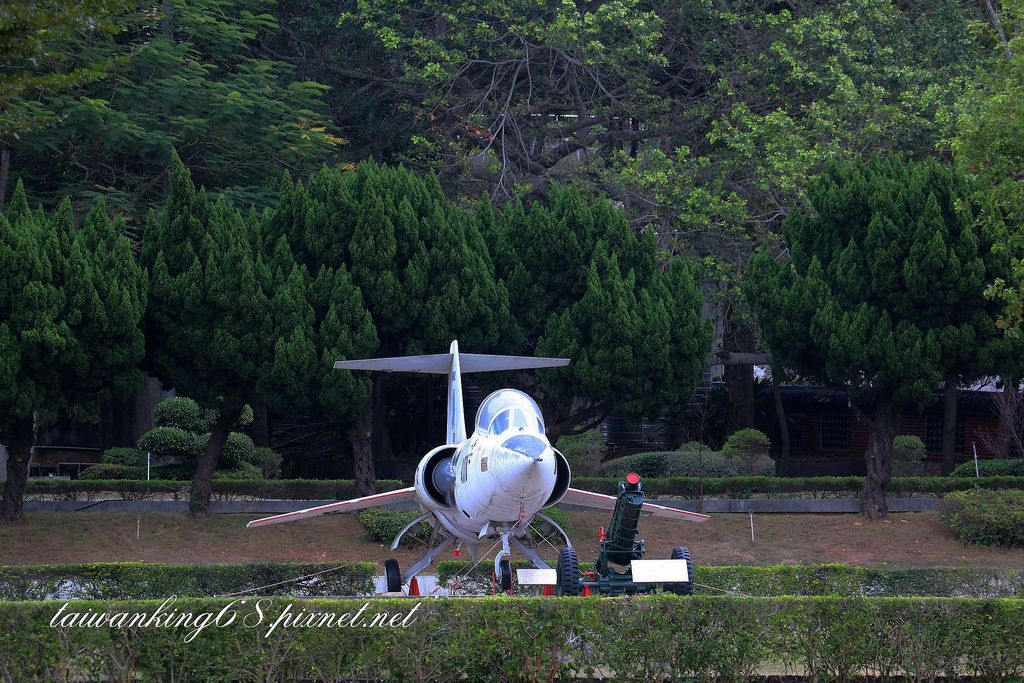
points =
(414, 587)
(549, 590)
(585, 592)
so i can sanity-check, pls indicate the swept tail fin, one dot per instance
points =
(453, 364)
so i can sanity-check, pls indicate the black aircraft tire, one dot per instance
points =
(681, 553)
(505, 577)
(568, 572)
(393, 575)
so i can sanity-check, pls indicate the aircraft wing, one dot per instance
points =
(399, 496)
(600, 501)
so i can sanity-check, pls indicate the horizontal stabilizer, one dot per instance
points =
(441, 363)
(599, 501)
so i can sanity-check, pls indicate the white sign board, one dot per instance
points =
(537, 577)
(659, 571)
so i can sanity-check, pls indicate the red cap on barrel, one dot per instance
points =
(632, 478)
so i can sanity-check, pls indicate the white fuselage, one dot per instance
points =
(499, 477)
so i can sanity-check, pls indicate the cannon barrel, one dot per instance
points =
(620, 546)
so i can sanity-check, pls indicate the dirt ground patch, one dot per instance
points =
(912, 539)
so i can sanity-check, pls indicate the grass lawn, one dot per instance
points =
(911, 539)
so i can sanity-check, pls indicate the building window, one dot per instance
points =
(933, 434)
(835, 432)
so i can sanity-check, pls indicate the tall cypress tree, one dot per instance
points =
(71, 303)
(882, 294)
(582, 285)
(218, 328)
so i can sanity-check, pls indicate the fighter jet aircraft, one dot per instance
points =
(487, 487)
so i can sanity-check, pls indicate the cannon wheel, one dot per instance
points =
(681, 553)
(393, 576)
(568, 572)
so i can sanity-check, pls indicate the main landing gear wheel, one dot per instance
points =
(568, 573)
(681, 553)
(504, 578)
(393, 576)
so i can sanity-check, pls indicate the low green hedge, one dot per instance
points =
(522, 639)
(684, 487)
(816, 487)
(985, 517)
(144, 581)
(779, 580)
(223, 489)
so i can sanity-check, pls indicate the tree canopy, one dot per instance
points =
(882, 292)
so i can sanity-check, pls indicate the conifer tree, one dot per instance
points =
(882, 294)
(70, 304)
(583, 286)
(218, 328)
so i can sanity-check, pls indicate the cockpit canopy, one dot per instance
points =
(509, 410)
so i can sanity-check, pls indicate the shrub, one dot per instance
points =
(245, 418)
(129, 457)
(584, 451)
(381, 526)
(907, 456)
(182, 413)
(541, 531)
(168, 441)
(243, 470)
(269, 461)
(746, 444)
(748, 448)
(985, 517)
(1009, 467)
(695, 447)
(238, 449)
(112, 471)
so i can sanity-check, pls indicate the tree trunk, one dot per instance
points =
(881, 432)
(780, 414)
(362, 455)
(380, 441)
(948, 427)
(5, 171)
(206, 463)
(20, 439)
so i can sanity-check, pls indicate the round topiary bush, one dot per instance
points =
(1006, 467)
(168, 441)
(129, 457)
(749, 449)
(238, 449)
(180, 412)
(107, 472)
(908, 454)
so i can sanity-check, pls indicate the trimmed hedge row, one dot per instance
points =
(816, 487)
(808, 580)
(144, 581)
(140, 581)
(223, 489)
(685, 487)
(523, 639)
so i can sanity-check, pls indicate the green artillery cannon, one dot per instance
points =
(620, 568)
